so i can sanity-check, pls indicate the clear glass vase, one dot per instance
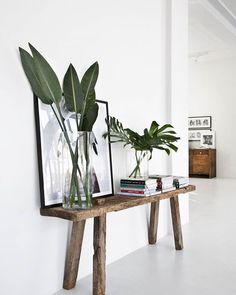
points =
(138, 164)
(77, 170)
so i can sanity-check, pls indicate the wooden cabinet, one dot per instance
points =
(202, 162)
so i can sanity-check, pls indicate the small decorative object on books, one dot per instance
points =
(73, 110)
(180, 181)
(155, 137)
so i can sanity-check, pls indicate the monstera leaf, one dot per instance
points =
(153, 138)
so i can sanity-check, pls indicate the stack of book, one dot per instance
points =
(165, 183)
(155, 184)
(180, 181)
(139, 187)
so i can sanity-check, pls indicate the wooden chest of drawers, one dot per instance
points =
(202, 162)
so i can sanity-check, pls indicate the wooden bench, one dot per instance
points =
(98, 212)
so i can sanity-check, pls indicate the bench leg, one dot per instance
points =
(99, 257)
(152, 231)
(73, 255)
(176, 222)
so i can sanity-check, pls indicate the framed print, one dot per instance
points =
(194, 135)
(48, 144)
(199, 122)
(208, 139)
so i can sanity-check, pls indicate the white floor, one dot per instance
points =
(206, 266)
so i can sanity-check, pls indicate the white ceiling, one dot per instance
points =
(212, 29)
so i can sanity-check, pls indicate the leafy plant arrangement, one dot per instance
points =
(155, 137)
(76, 97)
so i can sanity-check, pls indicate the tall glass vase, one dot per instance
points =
(138, 164)
(76, 170)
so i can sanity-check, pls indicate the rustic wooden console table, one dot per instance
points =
(98, 212)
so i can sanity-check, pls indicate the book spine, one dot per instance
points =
(131, 195)
(132, 185)
(139, 195)
(133, 191)
(126, 181)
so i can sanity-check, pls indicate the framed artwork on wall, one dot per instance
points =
(208, 139)
(48, 144)
(194, 135)
(200, 122)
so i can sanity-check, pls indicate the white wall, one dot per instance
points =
(128, 38)
(178, 93)
(212, 92)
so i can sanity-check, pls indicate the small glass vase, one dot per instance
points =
(138, 164)
(76, 170)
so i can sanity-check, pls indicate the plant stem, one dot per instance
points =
(73, 158)
(87, 184)
(74, 185)
(138, 159)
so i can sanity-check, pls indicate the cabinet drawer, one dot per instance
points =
(200, 152)
(200, 160)
(200, 169)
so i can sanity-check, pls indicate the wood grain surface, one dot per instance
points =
(73, 255)
(109, 204)
(99, 257)
(154, 214)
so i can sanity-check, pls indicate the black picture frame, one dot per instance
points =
(200, 123)
(47, 129)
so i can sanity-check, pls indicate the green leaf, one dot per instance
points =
(89, 80)
(164, 127)
(153, 128)
(153, 138)
(29, 69)
(164, 149)
(167, 137)
(172, 146)
(90, 118)
(91, 98)
(88, 83)
(72, 90)
(146, 134)
(48, 79)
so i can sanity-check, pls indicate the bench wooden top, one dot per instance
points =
(110, 204)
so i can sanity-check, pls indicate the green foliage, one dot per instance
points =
(89, 110)
(72, 91)
(89, 80)
(155, 138)
(30, 71)
(90, 117)
(79, 97)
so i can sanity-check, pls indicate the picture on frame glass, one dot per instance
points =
(208, 139)
(48, 140)
(199, 122)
